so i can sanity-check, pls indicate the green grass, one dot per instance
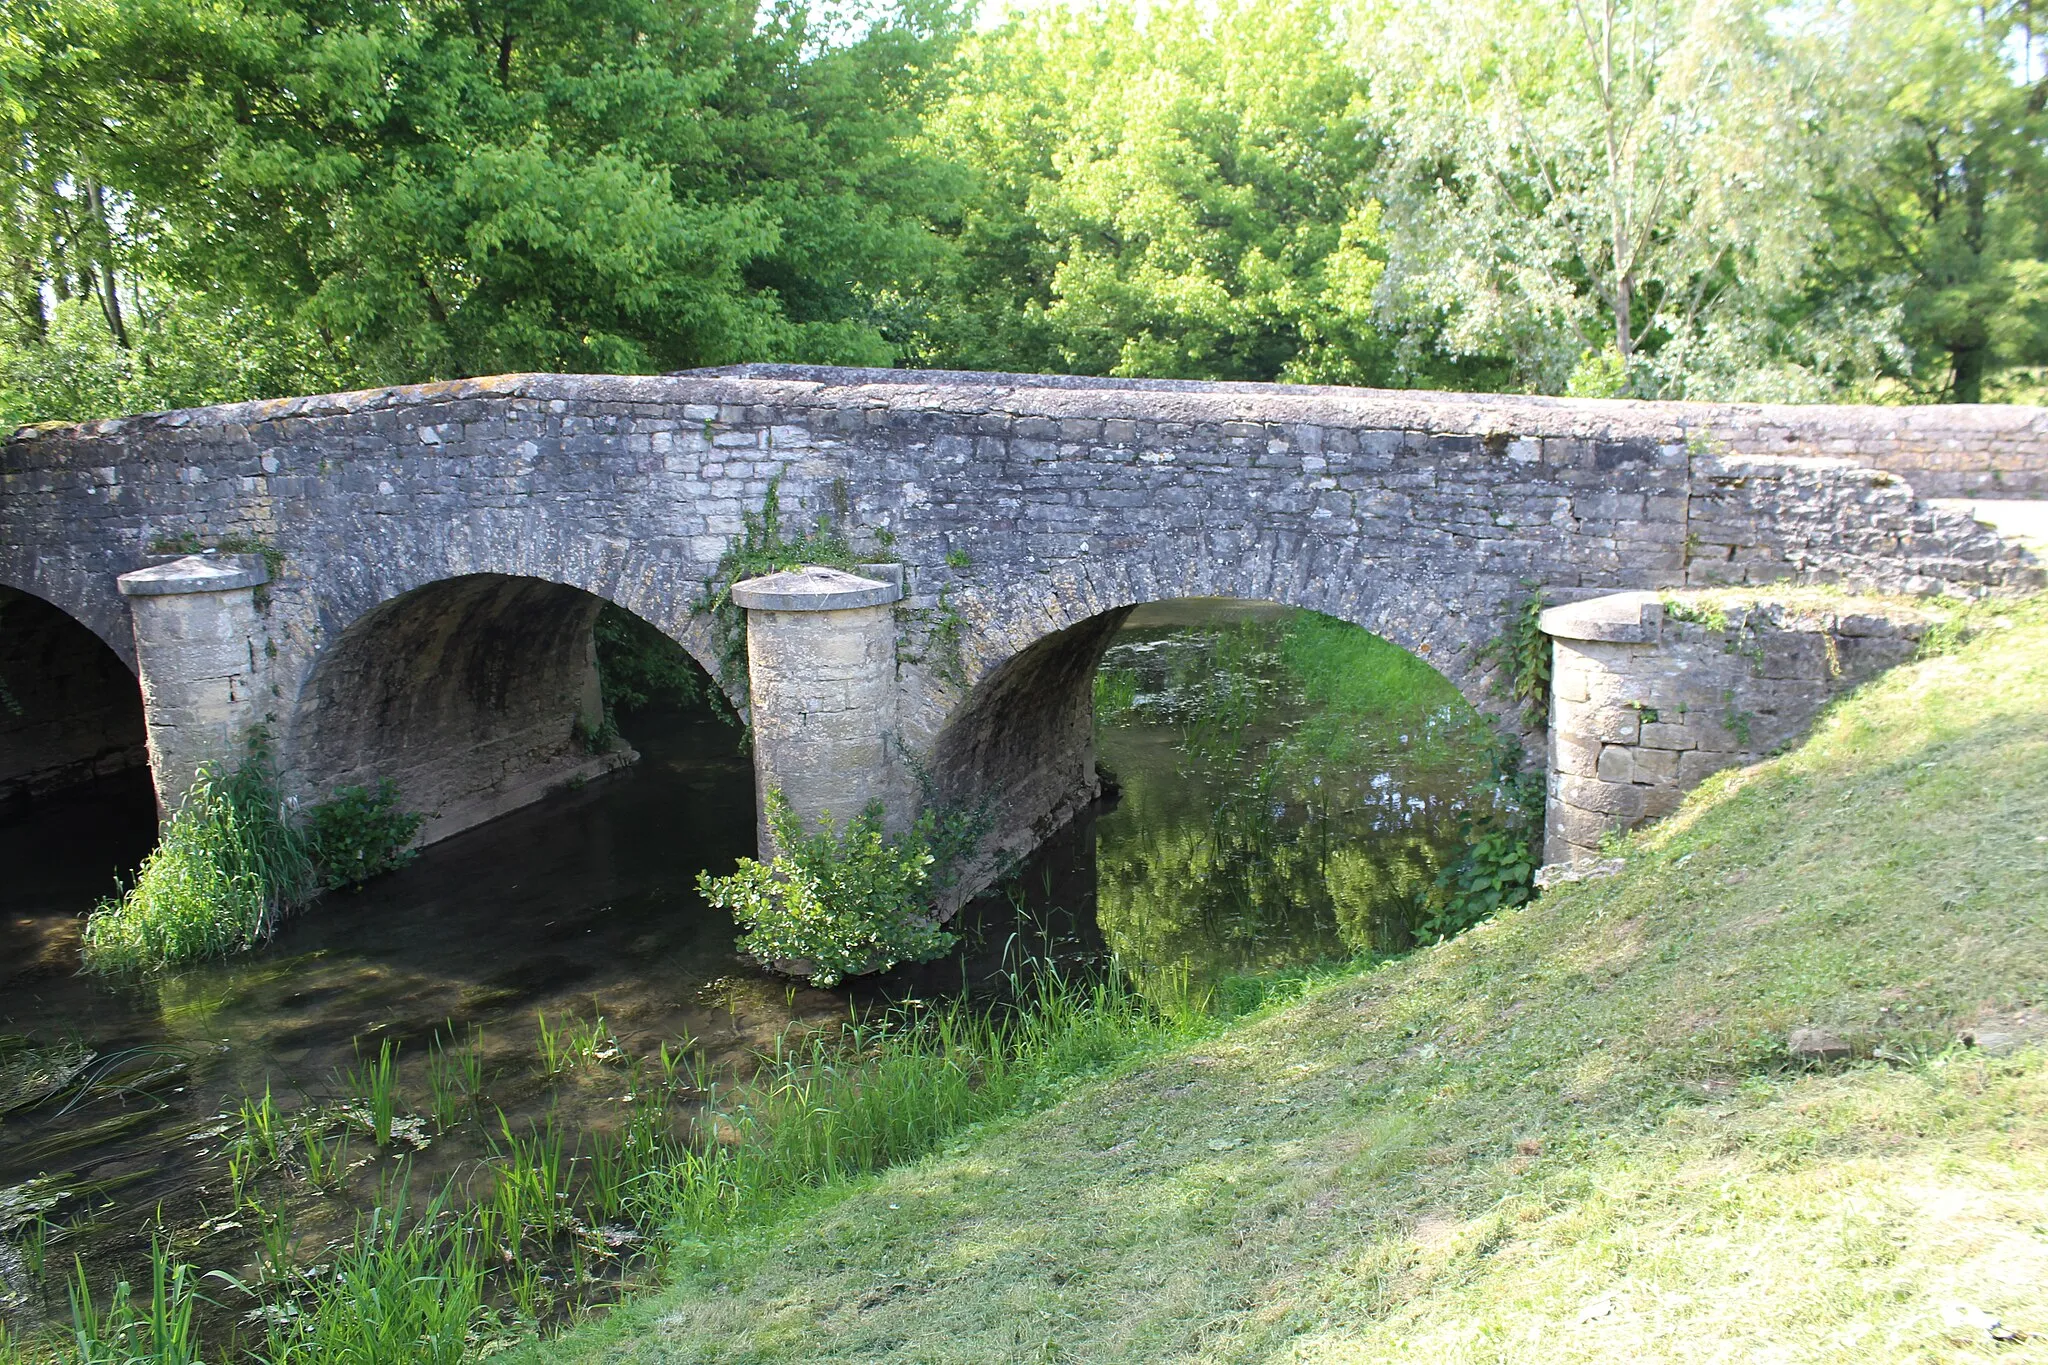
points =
(225, 866)
(1572, 1134)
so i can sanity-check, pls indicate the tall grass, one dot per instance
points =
(159, 1332)
(404, 1290)
(226, 865)
(442, 1282)
(828, 1108)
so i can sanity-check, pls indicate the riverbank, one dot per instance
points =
(1576, 1133)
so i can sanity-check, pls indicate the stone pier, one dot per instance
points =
(1652, 693)
(203, 651)
(821, 687)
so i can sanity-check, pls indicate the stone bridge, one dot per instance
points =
(403, 581)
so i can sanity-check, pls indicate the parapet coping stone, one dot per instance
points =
(1622, 618)
(814, 588)
(1507, 416)
(1638, 618)
(195, 573)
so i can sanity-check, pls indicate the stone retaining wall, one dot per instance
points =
(1650, 694)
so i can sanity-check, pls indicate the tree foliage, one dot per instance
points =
(212, 199)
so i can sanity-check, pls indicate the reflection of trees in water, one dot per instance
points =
(1290, 790)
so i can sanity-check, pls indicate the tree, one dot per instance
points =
(1186, 193)
(1935, 186)
(1587, 188)
(421, 190)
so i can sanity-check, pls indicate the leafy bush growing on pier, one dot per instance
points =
(835, 904)
(225, 867)
(359, 833)
(234, 859)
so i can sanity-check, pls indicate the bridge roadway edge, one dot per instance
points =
(1021, 507)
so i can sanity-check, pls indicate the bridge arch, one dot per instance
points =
(1020, 734)
(70, 706)
(474, 693)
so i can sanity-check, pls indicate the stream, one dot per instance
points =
(1268, 814)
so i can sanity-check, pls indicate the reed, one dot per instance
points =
(226, 866)
(325, 1157)
(554, 1049)
(375, 1083)
(403, 1290)
(159, 1332)
(455, 1078)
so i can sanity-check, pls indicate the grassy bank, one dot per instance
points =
(1574, 1133)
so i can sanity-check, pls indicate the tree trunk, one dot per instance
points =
(1966, 373)
(110, 285)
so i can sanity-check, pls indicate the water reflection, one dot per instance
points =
(1290, 786)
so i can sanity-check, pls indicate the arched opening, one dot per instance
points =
(1288, 786)
(70, 709)
(480, 694)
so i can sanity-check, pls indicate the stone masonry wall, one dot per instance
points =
(1652, 694)
(1020, 507)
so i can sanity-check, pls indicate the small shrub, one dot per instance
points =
(1502, 848)
(840, 904)
(226, 866)
(360, 832)
(1522, 652)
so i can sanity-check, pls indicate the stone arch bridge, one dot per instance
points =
(403, 581)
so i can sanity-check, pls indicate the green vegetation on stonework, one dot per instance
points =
(1574, 1133)
(761, 548)
(233, 859)
(1520, 654)
(835, 903)
(226, 865)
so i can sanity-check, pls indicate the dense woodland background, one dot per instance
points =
(218, 199)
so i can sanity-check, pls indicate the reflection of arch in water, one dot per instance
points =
(70, 710)
(1242, 843)
(1022, 739)
(474, 694)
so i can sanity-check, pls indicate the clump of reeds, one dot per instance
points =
(225, 867)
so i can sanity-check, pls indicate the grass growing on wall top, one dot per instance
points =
(1571, 1134)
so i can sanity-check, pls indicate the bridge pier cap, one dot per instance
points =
(821, 684)
(203, 654)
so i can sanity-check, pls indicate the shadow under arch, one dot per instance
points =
(70, 707)
(474, 694)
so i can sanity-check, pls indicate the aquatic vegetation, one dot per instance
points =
(375, 1083)
(833, 904)
(455, 1078)
(324, 1155)
(159, 1332)
(404, 1289)
(360, 833)
(227, 864)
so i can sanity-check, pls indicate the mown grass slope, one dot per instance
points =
(1573, 1134)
